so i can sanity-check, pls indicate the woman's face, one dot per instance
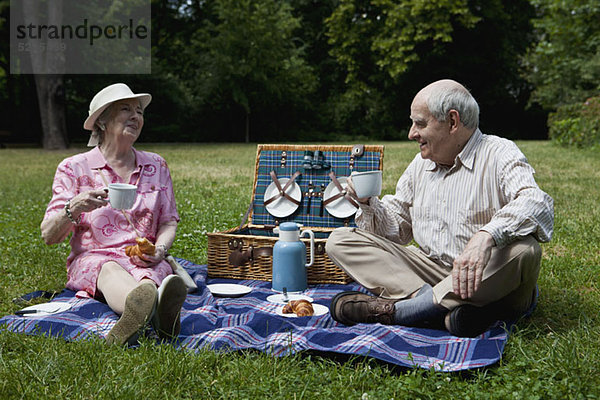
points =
(126, 121)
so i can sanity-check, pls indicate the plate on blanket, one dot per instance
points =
(44, 309)
(319, 310)
(282, 207)
(279, 298)
(340, 208)
(228, 289)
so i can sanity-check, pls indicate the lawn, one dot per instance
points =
(555, 354)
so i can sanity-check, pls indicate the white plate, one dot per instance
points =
(318, 308)
(340, 208)
(282, 207)
(228, 289)
(46, 309)
(278, 298)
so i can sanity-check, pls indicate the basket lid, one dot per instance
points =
(311, 183)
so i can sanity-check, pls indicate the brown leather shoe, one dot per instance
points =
(351, 308)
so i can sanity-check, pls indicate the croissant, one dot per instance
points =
(302, 308)
(143, 246)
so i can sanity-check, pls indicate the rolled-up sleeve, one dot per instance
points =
(390, 216)
(529, 210)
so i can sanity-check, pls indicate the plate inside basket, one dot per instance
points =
(340, 208)
(282, 207)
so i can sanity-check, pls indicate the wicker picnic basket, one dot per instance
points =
(245, 252)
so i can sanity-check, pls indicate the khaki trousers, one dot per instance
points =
(394, 271)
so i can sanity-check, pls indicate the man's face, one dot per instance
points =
(433, 136)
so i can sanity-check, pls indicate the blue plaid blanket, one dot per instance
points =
(252, 322)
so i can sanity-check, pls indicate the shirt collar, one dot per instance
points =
(96, 158)
(466, 157)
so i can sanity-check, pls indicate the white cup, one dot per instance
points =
(121, 195)
(367, 184)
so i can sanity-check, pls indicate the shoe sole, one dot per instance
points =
(167, 320)
(139, 304)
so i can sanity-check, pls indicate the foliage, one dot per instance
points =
(307, 70)
(577, 124)
(390, 50)
(386, 32)
(244, 60)
(564, 65)
(552, 355)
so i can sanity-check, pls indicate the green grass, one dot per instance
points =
(552, 355)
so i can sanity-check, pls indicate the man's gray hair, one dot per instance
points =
(444, 99)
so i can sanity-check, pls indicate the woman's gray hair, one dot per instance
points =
(441, 101)
(100, 123)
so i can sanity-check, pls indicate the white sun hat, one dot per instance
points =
(107, 96)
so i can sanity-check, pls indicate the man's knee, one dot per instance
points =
(530, 252)
(336, 239)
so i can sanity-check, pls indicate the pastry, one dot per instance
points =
(142, 247)
(302, 308)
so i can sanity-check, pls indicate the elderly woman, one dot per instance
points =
(98, 265)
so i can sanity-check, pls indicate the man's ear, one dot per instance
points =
(454, 120)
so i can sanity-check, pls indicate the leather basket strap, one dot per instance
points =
(239, 257)
(282, 190)
(342, 193)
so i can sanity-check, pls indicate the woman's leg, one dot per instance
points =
(134, 301)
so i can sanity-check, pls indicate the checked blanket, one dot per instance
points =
(252, 322)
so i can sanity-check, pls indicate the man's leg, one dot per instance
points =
(388, 270)
(510, 276)
(385, 268)
(507, 290)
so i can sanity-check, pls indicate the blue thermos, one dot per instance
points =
(289, 257)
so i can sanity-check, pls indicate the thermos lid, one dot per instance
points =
(289, 226)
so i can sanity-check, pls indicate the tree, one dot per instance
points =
(392, 49)
(564, 64)
(390, 31)
(248, 56)
(48, 68)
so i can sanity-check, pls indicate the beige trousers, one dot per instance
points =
(394, 271)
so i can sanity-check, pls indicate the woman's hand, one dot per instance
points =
(88, 201)
(56, 228)
(147, 261)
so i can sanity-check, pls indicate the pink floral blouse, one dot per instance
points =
(102, 234)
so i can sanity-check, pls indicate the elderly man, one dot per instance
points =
(472, 206)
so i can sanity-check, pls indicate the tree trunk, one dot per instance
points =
(51, 99)
(247, 126)
(48, 69)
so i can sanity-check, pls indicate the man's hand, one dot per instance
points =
(468, 266)
(352, 192)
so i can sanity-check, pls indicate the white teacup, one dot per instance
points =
(367, 184)
(121, 195)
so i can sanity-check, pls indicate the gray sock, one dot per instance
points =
(418, 309)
